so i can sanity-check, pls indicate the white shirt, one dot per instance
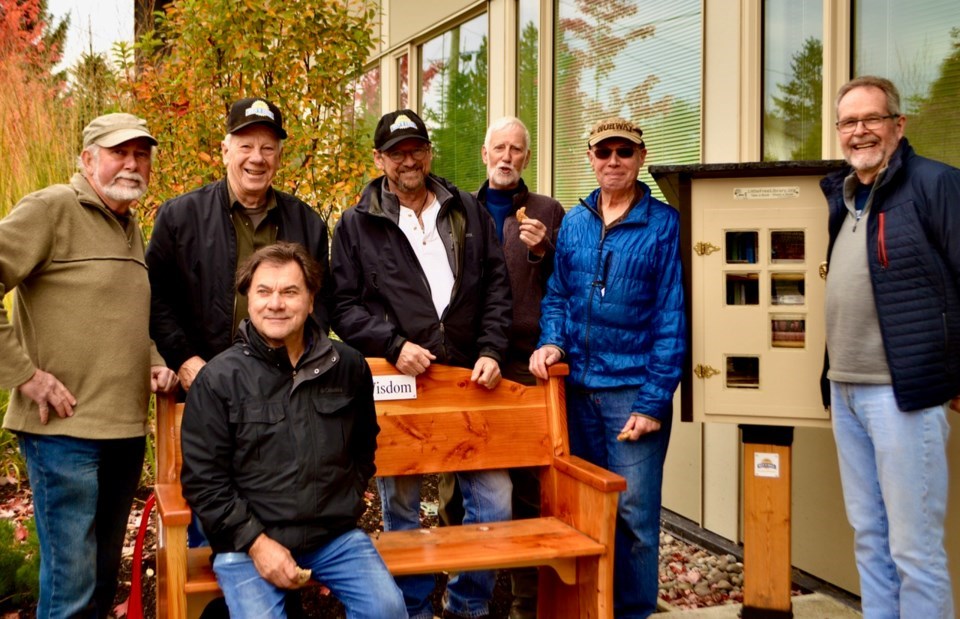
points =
(428, 247)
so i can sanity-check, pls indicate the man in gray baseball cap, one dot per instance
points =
(79, 361)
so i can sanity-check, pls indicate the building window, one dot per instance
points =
(528, 79)
(792, 80)
(403, 81)
(366, 105)
(640, 59)
(917, 46)
(453, 85)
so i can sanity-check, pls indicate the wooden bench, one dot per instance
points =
(453, 425)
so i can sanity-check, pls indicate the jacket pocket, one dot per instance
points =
(335, 421)
(260, 431)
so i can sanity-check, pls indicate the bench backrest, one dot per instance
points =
(452, 425)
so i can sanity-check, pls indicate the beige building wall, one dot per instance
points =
(704, 468)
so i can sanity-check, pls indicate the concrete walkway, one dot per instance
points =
(810, 606)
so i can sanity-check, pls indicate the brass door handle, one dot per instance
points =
(702, 248)
(705, 371)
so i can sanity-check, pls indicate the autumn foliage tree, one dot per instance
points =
(306, 57)
(35, 153)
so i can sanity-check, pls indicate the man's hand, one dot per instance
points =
(542, 358)
(486, 372)
(162, 379)
(44, 389)
(637, 426)
(532, 233)
(188, 371)
(414, 360)
(275, 563)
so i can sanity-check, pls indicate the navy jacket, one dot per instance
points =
(913, 251)
(615, 302)
(192, 262)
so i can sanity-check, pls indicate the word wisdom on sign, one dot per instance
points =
(394, 387)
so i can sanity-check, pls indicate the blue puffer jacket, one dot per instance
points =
(913, 250)
(615, 304)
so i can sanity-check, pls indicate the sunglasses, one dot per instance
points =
(623, 152)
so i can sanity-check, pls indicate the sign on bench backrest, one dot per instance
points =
(456, 425)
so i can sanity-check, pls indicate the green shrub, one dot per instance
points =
(19, 566)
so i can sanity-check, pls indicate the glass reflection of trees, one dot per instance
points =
(453, 82)
(639, 59)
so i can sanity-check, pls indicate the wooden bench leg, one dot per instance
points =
(590, 598)
(171, 572)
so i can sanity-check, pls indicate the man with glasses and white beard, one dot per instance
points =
(893, 343)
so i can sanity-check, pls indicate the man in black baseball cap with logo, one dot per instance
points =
(200, 238)
(419, 277)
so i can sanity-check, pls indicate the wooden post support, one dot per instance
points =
(766, 536)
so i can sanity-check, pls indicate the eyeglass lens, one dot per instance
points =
(399, 156)
(624, 152)
(871, 123)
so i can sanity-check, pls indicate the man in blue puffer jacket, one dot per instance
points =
(614, 310)
(893, 338)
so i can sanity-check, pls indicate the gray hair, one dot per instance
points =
(505, 123)
(873, 81)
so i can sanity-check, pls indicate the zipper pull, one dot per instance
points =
(857, 219)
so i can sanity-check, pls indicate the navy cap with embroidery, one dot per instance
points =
(253, 110)
(397, 126)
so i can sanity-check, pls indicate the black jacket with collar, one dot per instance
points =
(192, 262)
(381, 297)
(913, 252)
(269, 448)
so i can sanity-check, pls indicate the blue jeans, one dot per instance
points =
(348, 565)
(82, 493)
(893, 467)
(594, 419)
(486, 498)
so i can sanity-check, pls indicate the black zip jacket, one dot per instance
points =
(192, 262)
(269, 448)
(381, 297)
(913, 252)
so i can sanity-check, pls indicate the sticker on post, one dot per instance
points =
(394, 387)
(766, 464)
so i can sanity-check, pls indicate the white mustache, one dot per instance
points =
(128, 176)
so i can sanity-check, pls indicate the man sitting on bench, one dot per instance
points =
(278, 442)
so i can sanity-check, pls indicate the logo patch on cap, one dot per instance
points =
(402, 122)
(260, 108)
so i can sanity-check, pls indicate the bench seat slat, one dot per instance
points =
(517, 543)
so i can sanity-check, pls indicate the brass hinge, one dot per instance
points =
(705, 371)
(705, 248)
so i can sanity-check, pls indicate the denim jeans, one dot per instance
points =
(348, 565)
(594, 419)
(893, 467)
(486, 498)
(82, 493)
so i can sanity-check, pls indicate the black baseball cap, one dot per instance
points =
(246, 112)
(397, 126)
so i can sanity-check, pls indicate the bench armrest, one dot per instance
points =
(594, 476)
(172, 508)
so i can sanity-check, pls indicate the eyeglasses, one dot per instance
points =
(623, 152)
(871, 123)
(399, 156)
